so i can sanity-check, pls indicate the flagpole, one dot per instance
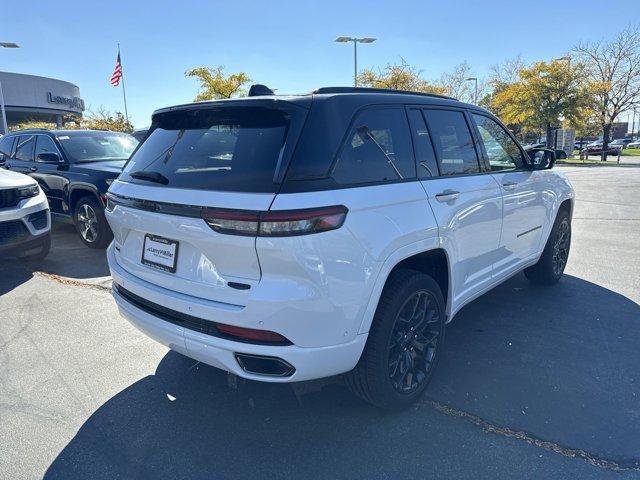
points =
(124, 93)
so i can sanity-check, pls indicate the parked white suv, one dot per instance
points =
(292, 238)
(25, 222)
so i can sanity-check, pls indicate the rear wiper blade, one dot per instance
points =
(156, 177)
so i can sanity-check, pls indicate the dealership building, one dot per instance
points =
(33, 98)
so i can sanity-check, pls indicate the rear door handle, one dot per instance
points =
(509, 185)
(33, 169)
(447, 196)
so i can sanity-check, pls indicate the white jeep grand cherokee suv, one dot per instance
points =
(292, 238)
(25, 222)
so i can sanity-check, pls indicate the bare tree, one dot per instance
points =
(458, 85)
(507, 72)
(613, 70)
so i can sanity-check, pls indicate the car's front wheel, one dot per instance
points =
(91, 223)
(404, 342)
(553, 260)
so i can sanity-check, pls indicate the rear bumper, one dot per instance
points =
(309, 362)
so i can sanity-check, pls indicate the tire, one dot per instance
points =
(378, 377)
(91, 223)
(44, 250)
(553, 260)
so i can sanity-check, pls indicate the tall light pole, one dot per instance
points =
(5, 128)
(355, 41)
(475, 90)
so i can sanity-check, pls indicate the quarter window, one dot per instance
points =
(24, 148)
(6, 146)
(452, 141)
(502, 151)
(377, 149)
(425, 156)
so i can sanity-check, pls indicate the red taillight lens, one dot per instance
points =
(252, 335)
(278, 223)
(233, 222)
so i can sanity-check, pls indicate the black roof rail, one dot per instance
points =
(376, 90)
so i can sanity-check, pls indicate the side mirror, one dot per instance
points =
(542, 158)
(49, 157)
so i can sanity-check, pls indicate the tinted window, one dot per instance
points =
(24, 148)
(378, 148)
(6, 145)
(234, 149)
(45, 144)
(425, 156)
(83, 146)
(453, 142)
(503, 153)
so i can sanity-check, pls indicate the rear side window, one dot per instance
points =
(24, 148)
(453, 142)
(377, 149)
(230, 148)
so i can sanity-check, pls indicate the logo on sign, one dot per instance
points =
(73, 102)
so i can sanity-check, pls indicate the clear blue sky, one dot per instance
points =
(286, 45)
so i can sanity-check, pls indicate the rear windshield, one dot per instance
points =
(232, 149)
(97, 146)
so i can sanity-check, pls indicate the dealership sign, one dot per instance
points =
(72, 102)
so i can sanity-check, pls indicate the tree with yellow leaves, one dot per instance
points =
(214, 84)
(543, 96)
(399, 76)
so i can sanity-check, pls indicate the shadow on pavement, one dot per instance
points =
(559, 362)
(69, 257)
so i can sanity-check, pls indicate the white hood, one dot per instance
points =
(9, 179)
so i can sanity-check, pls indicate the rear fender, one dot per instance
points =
(387, 267)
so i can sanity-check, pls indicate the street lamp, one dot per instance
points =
(5, 128)
(355, 41)
(475, 90)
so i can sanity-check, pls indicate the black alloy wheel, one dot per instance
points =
(413, 342)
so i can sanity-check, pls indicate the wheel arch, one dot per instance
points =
(432, 260)
(566, 205)
(76, 192)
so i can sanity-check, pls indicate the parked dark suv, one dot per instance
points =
(74, 169)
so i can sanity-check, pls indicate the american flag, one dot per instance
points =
(117, 72)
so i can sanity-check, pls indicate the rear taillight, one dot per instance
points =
(278, 223)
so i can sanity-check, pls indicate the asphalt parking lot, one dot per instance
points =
(534, 382)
